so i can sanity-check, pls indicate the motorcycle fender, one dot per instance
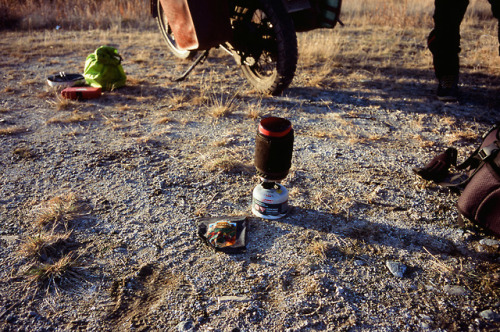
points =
(181, 22)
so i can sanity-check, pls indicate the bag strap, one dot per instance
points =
(475, 161)
(480, 154)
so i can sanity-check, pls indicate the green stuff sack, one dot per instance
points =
(103, 69)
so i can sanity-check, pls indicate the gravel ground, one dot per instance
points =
(117, 184)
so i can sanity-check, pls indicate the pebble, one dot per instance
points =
(359, 262)
(490, 242)
(9, 238)
(425, 317)
(490, 315)
(455, 290)
(425, 325)
(397, 269)
(184, 326)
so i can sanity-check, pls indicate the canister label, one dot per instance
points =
(269, 209)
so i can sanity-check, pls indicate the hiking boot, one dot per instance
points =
(448, 88)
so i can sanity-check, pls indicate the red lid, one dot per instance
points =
(274, 126)
(83, 92)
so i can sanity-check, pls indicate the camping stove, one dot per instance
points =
(273, 158)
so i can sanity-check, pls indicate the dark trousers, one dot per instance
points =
(444, 40)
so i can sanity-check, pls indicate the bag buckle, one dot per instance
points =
(488, 151)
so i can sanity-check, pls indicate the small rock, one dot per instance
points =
(9, 238)
(397, 269)
(490, 315)
(359, 262)
(425, 326)
(490, 243)
(455, 290)
(184, 326)
(425, 317)
(162, 184)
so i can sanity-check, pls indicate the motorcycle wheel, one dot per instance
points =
(167, 34)
(270, 58)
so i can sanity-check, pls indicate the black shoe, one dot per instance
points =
(448, 88)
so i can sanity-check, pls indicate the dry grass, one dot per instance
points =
(255, 110)
(226, 141)
(319, 249)
(163, 120)
(419, 122)
(221, 105)
(52, 274)
(225, 164)
(403, 13)
(12, 130)
(8, 90)
(48, 257)
(322, 133)
(422, 141)
(75, 117)
(177, 100)
(92, 14)
(115, 124)
(328, 198)
(225, 161)
(57, 211)
(24, 153)
(60, 103)
(475, 275)
(467, 135)
(43, 244)
(447, 121)
(123, 108)
(86, 14)
(385, 38)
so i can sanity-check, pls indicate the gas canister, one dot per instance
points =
(270, 200)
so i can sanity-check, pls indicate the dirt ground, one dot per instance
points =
(99, 199)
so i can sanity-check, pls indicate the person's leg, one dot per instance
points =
(444, 44)
(495, 8)
(444, 40)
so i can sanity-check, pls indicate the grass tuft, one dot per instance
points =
(60, 103)
(163, 120)
(74, 117)
(52, 274)
(226, 164)
(57, 211)
(319, 249)
(43, 245)
(221, 106)
(467, 135)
